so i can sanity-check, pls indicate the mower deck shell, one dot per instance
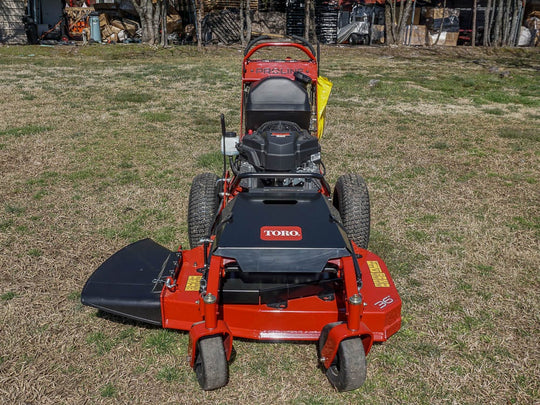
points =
(302, 318)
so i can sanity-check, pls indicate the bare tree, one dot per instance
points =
(487, 23)
(199, 5)
(245, 22)
(442, 23)
(389, 21)
(502, 21)
(151, 14)
(164, 7)
(307, 18)
(242, 22)
(514, 26)
(473, 35)
(506, 22)
(404, 13)
(396, 24)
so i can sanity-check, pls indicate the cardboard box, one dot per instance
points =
(415, 35)
(436, 13)
(103, 20)
(109, 30)
(174, 24)
(416, 16)
(129, 27)
(446, 38)
(377, 34)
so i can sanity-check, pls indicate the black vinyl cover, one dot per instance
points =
(238, 235)
(129, 282)
(277, 98)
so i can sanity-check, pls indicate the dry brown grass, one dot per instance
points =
(98, 147)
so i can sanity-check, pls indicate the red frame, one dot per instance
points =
(254, 70)
(303, 319)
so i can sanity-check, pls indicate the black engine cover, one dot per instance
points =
(278, 146)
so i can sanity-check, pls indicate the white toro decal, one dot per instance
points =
(281, 233)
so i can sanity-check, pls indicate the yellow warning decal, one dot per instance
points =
(379, 278)
(193, 283)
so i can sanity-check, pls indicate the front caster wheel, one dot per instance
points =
(211, 365)
(348, 370)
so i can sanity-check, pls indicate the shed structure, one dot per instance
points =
(11, 22)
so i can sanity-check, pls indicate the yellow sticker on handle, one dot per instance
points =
(193, 283)
(379, 278)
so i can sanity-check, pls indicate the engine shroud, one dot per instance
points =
(279, 146)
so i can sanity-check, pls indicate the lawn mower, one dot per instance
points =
(275, 254)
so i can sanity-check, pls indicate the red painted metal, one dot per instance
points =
(355, 313)
(339, 333)
(199, 331)
(302, 319)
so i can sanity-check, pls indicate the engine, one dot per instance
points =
(279, 146)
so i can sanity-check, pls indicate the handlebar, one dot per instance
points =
(299, 40)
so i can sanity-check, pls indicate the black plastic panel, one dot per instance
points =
(272, 288)
(128, 283)
(239, 235)
(277, 98)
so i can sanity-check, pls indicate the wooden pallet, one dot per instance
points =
(77, 19)
(224, 4)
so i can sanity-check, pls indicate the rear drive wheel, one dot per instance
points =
(351, 198)
(211, 365)
(348, 370)
(203, 205)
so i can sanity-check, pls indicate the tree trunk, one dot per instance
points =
(515, 27)
(506, 23)
(487, 24)
(245, 22)
(473, 35)
(164, 7)
(442, 23)
(242, 24)
(307, 19)
(200, 17)
(248, 22)
(149, 12)
(403, 18)
(497, 37)
(389, 21)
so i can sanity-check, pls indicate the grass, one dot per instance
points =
(25, 130)
(450, 154)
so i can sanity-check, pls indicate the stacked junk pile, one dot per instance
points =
(363, 21)
(333, 22)
(113, 21)
(326, 18)
(222, 22)
(106, 21)
(442, 26)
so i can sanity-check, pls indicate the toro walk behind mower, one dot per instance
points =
(275, 255)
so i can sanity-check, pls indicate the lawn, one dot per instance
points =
(98, 147)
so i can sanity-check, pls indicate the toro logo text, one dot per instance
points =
(281, 233)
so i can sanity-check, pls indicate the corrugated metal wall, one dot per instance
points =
(11, 23)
